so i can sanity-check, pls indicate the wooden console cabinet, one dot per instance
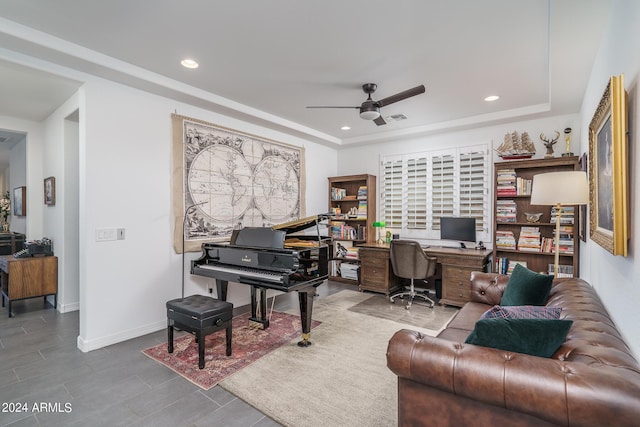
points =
(28, 278)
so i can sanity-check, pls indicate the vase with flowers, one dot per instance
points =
(5, 210)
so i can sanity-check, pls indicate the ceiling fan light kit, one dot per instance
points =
(370, 109)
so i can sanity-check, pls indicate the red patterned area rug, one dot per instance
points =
(247, 345)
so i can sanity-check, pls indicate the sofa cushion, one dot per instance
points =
(526, 287)
(537, 337)
(522, 312)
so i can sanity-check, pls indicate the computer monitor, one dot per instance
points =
(458, 228)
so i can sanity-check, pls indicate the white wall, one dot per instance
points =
(125, 174)
(56, 162)
(615, 277)
(28, 162)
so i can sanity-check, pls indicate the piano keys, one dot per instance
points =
(269, 258)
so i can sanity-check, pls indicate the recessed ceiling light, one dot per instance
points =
(189, 63)
(492, 98)
(345, 128)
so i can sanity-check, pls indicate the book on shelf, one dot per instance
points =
(529, 240)
(563, 270)
(362, 209)
(505, 240)
(566, 217)
(362, 192)
(506, 182)
(512, 264)
(338, 193)
(506, 211)
(523, 186)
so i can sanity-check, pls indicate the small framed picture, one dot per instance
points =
(50, 191)
(20, 201)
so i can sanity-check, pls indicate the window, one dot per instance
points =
(419, 188)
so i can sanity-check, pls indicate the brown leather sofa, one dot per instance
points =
(592, 379)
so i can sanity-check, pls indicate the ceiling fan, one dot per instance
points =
(370, 109)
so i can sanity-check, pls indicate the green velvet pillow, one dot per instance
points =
(526, 287)
(537, 337)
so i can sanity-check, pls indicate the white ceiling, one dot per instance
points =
(266, 61)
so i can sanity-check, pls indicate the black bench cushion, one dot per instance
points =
(201, 307)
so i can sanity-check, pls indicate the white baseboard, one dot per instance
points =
(85, 345)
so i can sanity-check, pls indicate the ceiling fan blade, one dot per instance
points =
(328, 106)
(379, 121)
(402, 95)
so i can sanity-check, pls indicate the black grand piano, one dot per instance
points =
(277, 258)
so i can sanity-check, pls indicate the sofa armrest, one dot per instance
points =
(563, 393)
(487, 288)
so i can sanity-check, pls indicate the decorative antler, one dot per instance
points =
(552, 141)
(549, 144)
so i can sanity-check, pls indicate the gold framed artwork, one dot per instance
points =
(50, 191)
(20, 201)
(608, 160)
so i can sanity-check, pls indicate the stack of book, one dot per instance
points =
(563, 270)
(362, 209)
(362, 192)
(506, 211)
(505, 240)
(506, 182)
(529, 240)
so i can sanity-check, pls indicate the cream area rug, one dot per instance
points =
(340, 380)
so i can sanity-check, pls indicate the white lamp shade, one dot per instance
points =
(565, 188)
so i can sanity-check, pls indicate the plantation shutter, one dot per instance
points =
(416, 212)
(442, 187)
(474, 187)
(419, 188)
(392, 192)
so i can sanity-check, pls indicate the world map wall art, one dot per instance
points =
(224, 179)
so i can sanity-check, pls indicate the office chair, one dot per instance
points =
(410, 262)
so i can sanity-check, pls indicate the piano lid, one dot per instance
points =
(298, 224)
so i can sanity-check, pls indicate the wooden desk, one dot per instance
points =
(457, 264)
(28, 278)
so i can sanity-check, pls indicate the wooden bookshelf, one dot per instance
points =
(520, 202)
(356, 194)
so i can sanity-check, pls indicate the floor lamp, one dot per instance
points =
(559, 189)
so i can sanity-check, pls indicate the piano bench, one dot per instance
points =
(201, 315)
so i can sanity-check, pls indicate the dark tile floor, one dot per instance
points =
(46, 381)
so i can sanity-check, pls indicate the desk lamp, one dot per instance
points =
(559, 189)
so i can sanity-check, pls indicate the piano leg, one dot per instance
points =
(306, 308)
(254, 321)
(221, 289)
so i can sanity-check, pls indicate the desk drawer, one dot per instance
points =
(458, 285)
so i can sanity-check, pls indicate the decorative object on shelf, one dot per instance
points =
(20, 201)
(533, 217)
(567, 142)
(608, 166)
(379, 226)
(559, 189)
(549, 144)
(50, 191)
(5, 210)
(516, 147)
